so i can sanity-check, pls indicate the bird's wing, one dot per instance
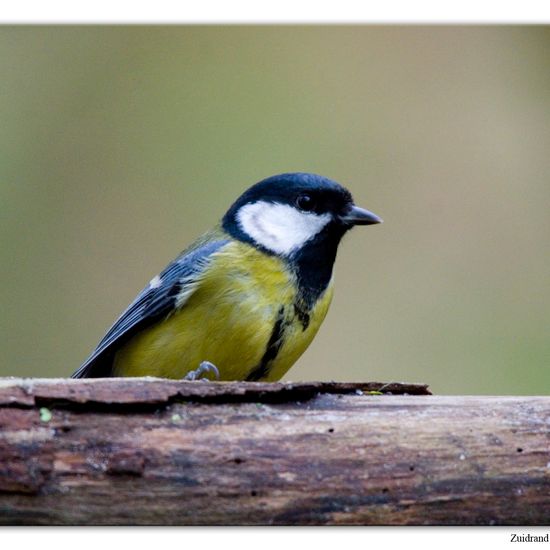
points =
(167, 291)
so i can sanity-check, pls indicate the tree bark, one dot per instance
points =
(161, 452)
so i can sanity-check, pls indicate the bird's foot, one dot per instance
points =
(205, 368)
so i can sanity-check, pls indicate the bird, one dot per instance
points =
(245, 300)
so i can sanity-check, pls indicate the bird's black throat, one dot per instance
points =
(313, 263)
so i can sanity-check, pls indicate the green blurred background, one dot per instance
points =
(122, 144)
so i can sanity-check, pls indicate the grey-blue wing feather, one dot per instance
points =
(153, 303)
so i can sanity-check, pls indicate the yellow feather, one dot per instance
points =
(228, 320)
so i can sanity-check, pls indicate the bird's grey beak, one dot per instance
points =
(359, 216)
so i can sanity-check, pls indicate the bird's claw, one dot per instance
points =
(206, 367)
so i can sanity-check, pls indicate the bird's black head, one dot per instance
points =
(284, 213)
(300, 217)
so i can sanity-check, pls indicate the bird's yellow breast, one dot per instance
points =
(244, 315)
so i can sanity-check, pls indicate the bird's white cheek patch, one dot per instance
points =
(280, 228)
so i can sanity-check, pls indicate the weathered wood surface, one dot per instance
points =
(149, 451)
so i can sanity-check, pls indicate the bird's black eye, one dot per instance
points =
(305, 202)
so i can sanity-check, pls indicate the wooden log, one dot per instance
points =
(160, 452)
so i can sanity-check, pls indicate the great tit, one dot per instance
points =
(245, 300)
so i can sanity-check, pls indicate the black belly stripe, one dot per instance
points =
(302, 315)
(271, 351)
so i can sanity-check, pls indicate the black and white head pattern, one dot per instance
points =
(284, 213)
